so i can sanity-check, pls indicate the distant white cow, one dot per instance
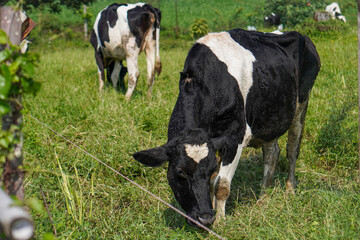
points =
(334, 10)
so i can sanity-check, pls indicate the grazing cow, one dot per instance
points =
(272, 20)
(27, 24)
(122, 32)
(238, 88)
(334, 10)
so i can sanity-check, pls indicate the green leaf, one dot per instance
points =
(3, 37)
(27, 68)
(5, 81)
(14, 67)
(5, 54)
(4, 107)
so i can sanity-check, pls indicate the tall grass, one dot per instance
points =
(326, 205)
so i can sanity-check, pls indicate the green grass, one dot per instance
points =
(326, 205)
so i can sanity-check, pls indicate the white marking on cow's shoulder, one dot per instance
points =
(197, 152)
(238, 59)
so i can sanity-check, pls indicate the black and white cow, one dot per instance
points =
(334, 10)
(238, 88)
(122, 32)
(272, 20)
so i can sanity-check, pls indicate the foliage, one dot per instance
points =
(291, 12)
(199, 28)
(55, 6)
(86, 16)
(332, 29)
(234, 20)
(16, 72)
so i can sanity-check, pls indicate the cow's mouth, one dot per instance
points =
(205, 219)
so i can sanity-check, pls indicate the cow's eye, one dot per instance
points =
(181, 173)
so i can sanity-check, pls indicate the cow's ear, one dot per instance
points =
(153, 157)
(227, 148)
(219, 142)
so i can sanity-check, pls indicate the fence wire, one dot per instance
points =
(132, 182)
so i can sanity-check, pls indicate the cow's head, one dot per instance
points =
(192, 161)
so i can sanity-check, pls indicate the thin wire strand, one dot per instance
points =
(131, 181)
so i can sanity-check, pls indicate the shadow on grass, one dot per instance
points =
(246, 184)
(337, 137)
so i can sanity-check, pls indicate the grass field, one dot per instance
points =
(89, 201)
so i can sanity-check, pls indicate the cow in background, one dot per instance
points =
(27, 24)
(272, 20)
(237, 89)
(122, 32)
(334, 10)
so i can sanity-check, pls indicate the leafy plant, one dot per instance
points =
(16, 72)
(292, 12)
(199, 28)
(234, 21)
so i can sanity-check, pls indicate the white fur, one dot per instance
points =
(238, 59)
(334, 8)
(197, 152)
(120, 32)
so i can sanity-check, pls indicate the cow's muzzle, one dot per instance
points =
(205, 219)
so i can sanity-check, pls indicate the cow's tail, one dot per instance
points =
(157, 51)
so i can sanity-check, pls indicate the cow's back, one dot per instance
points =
(265, 79)
(120, 29)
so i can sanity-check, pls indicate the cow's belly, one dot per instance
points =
(120, 48)
(270, 120)
(116, 52)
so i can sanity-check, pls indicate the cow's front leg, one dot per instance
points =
(134, 74)
(222, 184)
(100, 65)
(271, 152)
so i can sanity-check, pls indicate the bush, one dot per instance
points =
(292, 12)
(222, 23)
(199, 28)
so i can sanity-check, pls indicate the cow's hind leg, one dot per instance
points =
(123, 72)
(134, 74)
(115, 74)
(293, 144)
(271, 152)
(150, 59)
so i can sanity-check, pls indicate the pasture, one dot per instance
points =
(88, 201)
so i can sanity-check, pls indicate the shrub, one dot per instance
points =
(199, 28)
(234, 21)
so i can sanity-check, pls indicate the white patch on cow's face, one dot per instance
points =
(197, 152)
(238, 59)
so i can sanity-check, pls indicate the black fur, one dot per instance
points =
(138, 19)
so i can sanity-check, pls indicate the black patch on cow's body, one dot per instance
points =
(209, 98)
(139, 21)
(108, 17)
(271, 101)
(98, 53)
